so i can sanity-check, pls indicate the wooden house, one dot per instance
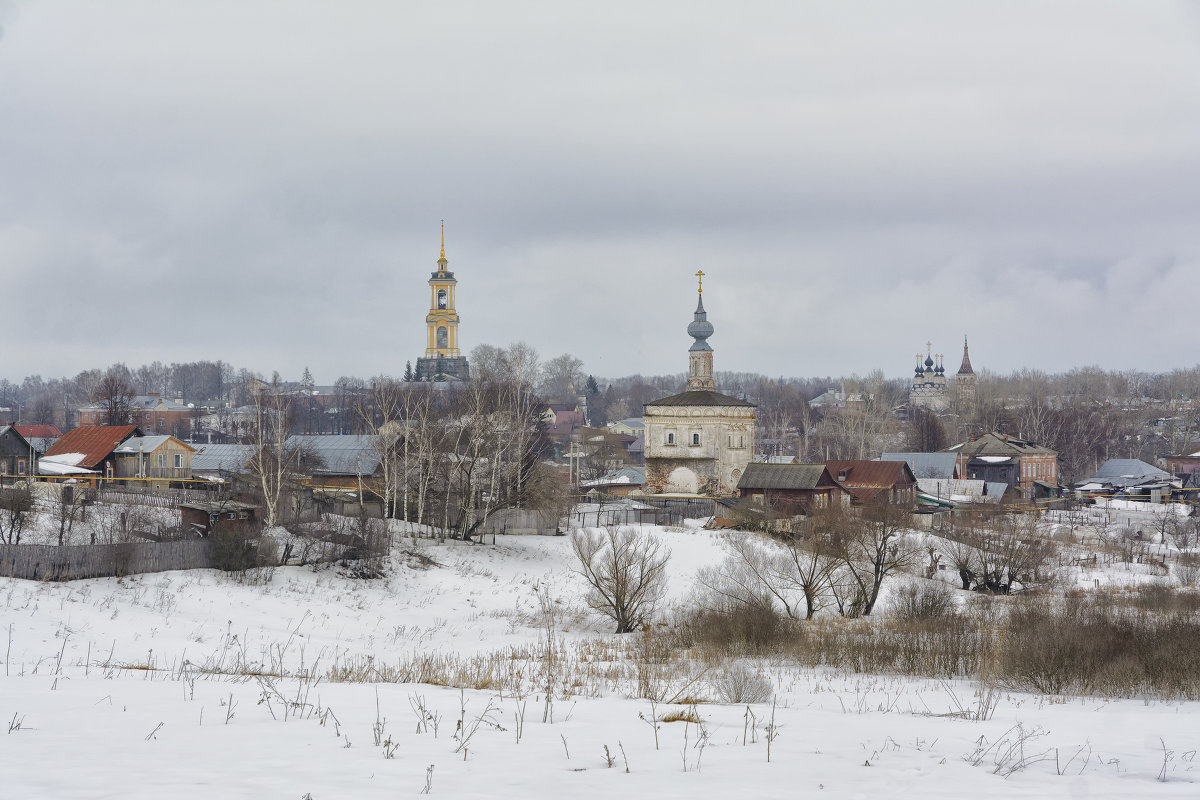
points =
(792, 489)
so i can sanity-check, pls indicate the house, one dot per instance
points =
(869, 481)
(955, 492)
(792, 489)
(830, 398)
(999, 458)
(630, 426)
(620, 483)
(1130, 479)
(943, 466)
(336, 461)
(219, 462)
(1183, 465)
(204, 517)
(159, 459)
(40, 436)
(17, 453)
(87, 450)
(150, 412)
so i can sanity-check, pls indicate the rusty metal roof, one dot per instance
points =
(871, 474)
(95, 442)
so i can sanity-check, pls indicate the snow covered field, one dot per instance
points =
(196, 684)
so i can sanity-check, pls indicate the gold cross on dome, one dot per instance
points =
(700, 276)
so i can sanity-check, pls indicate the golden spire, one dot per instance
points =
(700, 276)
(443, 239)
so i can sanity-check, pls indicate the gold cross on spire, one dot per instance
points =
(700, 276)
(443, 238)
(928, 348)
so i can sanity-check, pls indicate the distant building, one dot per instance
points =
(998, 458)
(16, 453)
(151, 412)
(699, 441)
(873, 481)
(930, 388)
(443, 361)
(791, 488)
(1130, 479)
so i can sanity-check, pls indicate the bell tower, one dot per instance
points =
(442, 319)
(443, 360)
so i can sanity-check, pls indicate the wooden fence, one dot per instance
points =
(71, 562)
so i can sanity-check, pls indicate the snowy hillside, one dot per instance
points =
(198, 684)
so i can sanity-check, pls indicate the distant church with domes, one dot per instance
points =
(698, 441)
(930, 388)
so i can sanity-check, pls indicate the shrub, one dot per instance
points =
(923, 600)
(739, 683)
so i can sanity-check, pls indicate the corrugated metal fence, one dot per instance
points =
(72, 562)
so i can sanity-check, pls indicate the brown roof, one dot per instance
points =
(700, 397)
(999, 444)
(96, 442)
(871, 474)
(38, 431)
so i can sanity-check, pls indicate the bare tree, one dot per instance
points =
(115, 393)
(870, 547)
(625, 571)
(17, 513)
(272, 462)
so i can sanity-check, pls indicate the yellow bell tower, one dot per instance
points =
(442, 319)
(443, 361)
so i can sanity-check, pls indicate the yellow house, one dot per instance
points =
(153, 460)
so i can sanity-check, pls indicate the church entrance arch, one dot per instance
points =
(443, 337)
(683, 480)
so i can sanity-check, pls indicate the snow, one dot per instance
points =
(67, 459)
(995, 459)
(102, 682)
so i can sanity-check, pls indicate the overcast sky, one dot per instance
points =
(263, 182)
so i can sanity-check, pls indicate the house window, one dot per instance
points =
(20, 466)
(179, 461)
(695, 439)
(670, 437)
(758, 499)
(3, 467)
(162, 460)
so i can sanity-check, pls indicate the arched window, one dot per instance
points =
(441, 295)
(443, 338)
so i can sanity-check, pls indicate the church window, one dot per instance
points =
(443, 338)
(695, 439)
(670, 437)
(441, 303)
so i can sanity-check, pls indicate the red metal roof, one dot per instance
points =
(38, 431)
(96, 442)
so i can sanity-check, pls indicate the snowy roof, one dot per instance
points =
(339, 455)
(144, 444)
(1130, 468)
(45, 467)
(632, 476)
(221, 457)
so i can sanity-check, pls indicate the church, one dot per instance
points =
(443, 361)
(699, 441)
(930, 388)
